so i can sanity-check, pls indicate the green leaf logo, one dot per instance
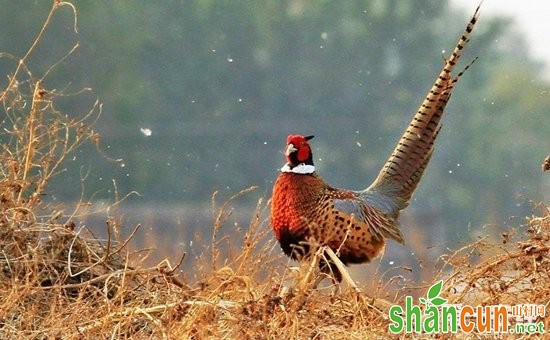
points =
(434, 290)
(432, 297)
(438, 301)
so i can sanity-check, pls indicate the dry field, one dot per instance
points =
(58, 280)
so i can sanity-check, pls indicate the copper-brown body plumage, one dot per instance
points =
(306, 211)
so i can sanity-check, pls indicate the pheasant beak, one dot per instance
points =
(290, 149)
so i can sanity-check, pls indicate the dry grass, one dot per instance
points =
(513, 271)
(59, 280)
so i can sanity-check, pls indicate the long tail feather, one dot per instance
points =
(400, 175)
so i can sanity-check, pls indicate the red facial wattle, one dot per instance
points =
(304, 152)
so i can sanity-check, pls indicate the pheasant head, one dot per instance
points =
(298, 155)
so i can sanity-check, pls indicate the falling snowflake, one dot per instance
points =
(146, 131)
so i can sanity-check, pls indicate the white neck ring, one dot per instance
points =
(299, 169)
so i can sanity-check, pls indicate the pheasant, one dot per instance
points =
(307, 212)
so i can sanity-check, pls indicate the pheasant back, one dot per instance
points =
(315, 214)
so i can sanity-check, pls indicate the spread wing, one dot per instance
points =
(379, 224)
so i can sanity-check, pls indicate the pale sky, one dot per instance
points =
(531, 17)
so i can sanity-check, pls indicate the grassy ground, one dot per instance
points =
(58, 280)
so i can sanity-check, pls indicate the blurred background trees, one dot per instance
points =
(221, 83)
